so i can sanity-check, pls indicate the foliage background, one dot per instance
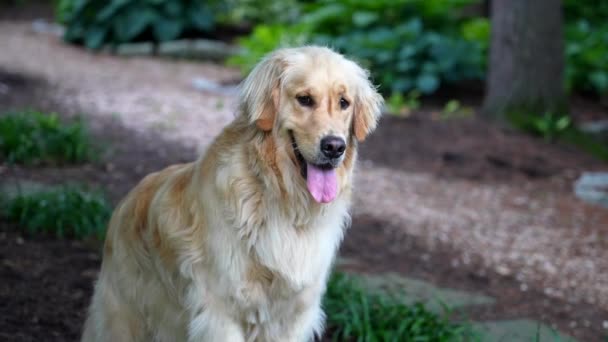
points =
(409, 45)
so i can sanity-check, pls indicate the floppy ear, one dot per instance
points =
(368, 106)
(260, 92)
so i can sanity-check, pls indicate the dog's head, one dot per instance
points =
(317, 101)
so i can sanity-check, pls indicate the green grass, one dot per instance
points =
(67, 211)
(33, 137)
(354, 314)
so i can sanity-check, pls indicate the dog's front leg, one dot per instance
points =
(211, 325)
(307, 325)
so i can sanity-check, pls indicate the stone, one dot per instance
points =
(519, 330)
(196, 49)
(206, 85)
(598, 128)
(592, 187)
(135, 49)
(411, 290)
(43, 26)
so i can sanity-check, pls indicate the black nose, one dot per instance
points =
(333, 147)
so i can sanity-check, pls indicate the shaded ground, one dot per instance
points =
(473, 149)
(431, 161)
(46, 285)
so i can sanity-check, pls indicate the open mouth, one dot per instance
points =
(302, 163)
(321, 179)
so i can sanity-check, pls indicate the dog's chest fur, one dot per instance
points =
(280, 263)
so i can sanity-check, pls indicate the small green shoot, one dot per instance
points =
(453, 109)
(550, 126)
(404, 105)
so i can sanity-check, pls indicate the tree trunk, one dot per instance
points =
(526, 66)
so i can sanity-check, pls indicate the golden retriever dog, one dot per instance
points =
(238, 245)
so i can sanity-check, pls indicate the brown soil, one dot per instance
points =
(45, 288)
(472, 149)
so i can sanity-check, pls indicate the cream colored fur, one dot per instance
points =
(232, 247)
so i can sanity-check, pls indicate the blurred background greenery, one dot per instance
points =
(409, 45)
(413, 48)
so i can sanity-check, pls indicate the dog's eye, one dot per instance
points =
(343, 103)
(305, 100)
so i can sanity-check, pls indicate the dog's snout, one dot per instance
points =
(333, 147)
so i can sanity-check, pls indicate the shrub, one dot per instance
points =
(477, 30)
(35, 137)
(263, 40)
(403, 50)
(594, 11)
(587, 56)
(247, 12)
(68, 211)
(586, 36)
(338, 17)
(409, 57)
(94, 23)
(356, 315)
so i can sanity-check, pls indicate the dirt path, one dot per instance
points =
(498, 201)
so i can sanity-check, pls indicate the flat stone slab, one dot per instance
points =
(592, 187)
(519, 330)
(414, 290)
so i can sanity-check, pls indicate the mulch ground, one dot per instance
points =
(473, 149)
(45, 288)
(46, 282)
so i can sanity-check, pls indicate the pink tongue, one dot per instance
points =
(322, 183)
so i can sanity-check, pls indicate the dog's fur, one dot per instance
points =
(233, 247)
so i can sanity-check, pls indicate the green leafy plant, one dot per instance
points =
(338, 17)
(408, 57)
(594, 11)
(549, 125)
(587, 56)
(477, 31)
(586, 36)
(36, 137)
(68, 211)
(95, 23)
(264, 39)
(404, 50)
(353, 314)
(239, 12)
